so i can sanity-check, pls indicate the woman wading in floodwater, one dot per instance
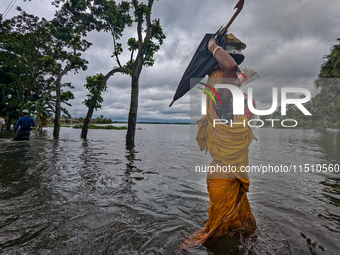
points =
(229, 210)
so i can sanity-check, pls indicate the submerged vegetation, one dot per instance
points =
(104, 127)
(101, 127)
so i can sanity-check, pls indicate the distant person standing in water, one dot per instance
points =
(25, 123)
(2, 123)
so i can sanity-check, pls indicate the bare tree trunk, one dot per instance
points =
(324, 121)
(9, 122)
(136, 71)
(56, 129)
(90, 111)
(87, 121)
(130, 136)
(37, 123)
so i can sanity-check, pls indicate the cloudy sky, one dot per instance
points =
(286, 42)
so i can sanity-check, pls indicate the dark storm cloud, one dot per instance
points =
(286, 42)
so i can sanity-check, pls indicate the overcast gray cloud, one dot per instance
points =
(286, 42)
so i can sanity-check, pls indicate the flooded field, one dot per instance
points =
(95, 197)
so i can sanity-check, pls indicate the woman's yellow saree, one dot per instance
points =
(229, 207)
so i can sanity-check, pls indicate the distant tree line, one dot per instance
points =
(99, 120)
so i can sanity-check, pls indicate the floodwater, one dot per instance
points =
(95, 197)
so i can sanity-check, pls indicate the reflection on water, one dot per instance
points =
(97, 197)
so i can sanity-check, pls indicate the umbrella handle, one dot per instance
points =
(239, 7)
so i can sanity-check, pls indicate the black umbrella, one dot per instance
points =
(203, 62)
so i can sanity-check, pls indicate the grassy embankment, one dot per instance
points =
(91, 126)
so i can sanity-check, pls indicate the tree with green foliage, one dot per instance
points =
(113, 18)
(325, 106)
(23, 76)
(101, 16)
(43, 109)
(64, 55)
(34, 55)
(145, 47)
(102, 120)
(94, 99)
(327, 100)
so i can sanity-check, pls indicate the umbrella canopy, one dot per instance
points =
(203, 62)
